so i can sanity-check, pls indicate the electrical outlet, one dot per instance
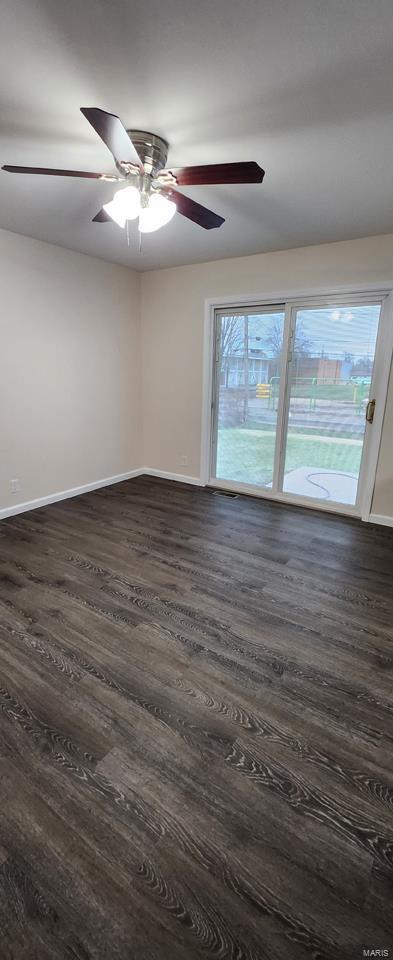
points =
(15, 485)
(183, 460)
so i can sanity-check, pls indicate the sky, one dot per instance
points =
(333, 331)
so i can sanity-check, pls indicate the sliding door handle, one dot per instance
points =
(370, 410)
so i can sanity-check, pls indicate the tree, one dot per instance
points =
(231, 336)
(273, 338)
(234, 343)
(231, 342)
(363, 367)
(302, 344)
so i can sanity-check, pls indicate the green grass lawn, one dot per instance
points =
(346, 390)
(247, 455)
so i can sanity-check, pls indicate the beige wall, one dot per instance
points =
(172, 338)
(69, 369)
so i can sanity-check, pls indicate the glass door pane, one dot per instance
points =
(330, 373)
(248, 357)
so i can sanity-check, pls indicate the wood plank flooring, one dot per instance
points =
(196, 730)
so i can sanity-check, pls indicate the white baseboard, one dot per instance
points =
(65, 494)
(179, 477)
(88, 487)
(108, 481)
(379, 518)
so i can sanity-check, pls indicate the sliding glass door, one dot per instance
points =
(248, 357)
(292, 398)
(329, 379)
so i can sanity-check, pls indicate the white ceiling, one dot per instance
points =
(304, 87)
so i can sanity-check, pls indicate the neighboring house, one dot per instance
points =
(323, 368)
(233, 370)
(233, 366)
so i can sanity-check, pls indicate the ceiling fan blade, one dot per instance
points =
(217, 173)
(102, 217)
(194, 211)
(51, 172)
(114, 135)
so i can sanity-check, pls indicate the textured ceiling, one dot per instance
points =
(304, 87)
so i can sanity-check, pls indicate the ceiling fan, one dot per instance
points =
(149, 190)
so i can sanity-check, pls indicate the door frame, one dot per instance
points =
(380, 382)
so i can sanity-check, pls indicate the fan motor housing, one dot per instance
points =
(152, 149)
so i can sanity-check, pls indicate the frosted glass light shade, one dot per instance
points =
(126, 205)
(159, 212)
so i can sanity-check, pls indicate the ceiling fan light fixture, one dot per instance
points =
(158, 212)
(142, 156)
(115, 213)
(126, 205)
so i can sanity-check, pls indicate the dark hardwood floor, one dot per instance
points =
(196, 730)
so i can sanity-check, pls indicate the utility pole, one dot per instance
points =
(245, 406)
